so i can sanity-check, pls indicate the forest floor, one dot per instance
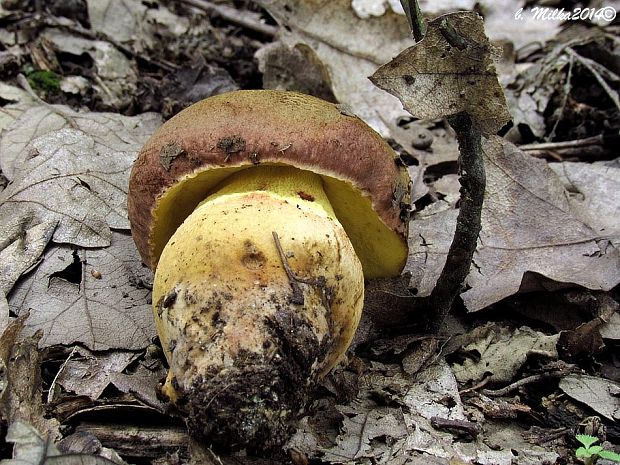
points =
(526, 361)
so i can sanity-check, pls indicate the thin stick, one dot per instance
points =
(468, 222)
(298, 296)
(247, 20)
(415, 18)
(522, 382)
(589, 64)
(569, 144)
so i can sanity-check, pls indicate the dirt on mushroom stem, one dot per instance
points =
(243, 349)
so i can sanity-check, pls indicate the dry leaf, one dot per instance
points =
(18, 101)
(23, 253)
(88, 373)
(110, 311)
(500, 352)
(594, 194)
(33, 449)
(360, 429)
(70, 168)
(448, 72)
(20, 370)
(134, 23)
(351, 48)
(600, 394)
(528, 226)
(116, 79)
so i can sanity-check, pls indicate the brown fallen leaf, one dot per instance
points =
(72, 169)
(448, 72)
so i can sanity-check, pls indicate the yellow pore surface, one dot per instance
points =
(228, 278)
(381, 251)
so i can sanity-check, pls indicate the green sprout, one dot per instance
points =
(590, 453)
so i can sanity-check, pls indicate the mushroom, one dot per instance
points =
(261, 213)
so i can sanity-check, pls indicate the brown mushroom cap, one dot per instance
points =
(199, 147)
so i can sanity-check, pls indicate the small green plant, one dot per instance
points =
(590, 453)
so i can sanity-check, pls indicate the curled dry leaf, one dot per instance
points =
(448, 72)
(72, 169)
(528, 226)
(71, 305)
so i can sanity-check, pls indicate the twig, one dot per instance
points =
(294, 280)
(52, 389)
(569, 144)
(415, 18)
(567, 88)
(591, 66)
(462, 426)
(476, 386)
(468, 223)
(138, 440)
(522, 382)
(298, 296)
(247, 20)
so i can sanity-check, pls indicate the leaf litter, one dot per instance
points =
(405, 412)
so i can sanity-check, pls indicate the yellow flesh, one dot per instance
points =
(224, 256)
(381, 251)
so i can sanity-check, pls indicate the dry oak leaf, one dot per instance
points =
(96, 297)
(448, 72)
(71, 169)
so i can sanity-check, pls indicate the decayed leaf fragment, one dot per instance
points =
(462, 80)
(20, 380)
(500, 352)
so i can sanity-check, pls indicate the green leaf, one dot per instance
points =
(595, 450)
(582, 453)
(586, 439)
(609, 455)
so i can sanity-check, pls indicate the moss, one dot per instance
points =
(47, 81)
